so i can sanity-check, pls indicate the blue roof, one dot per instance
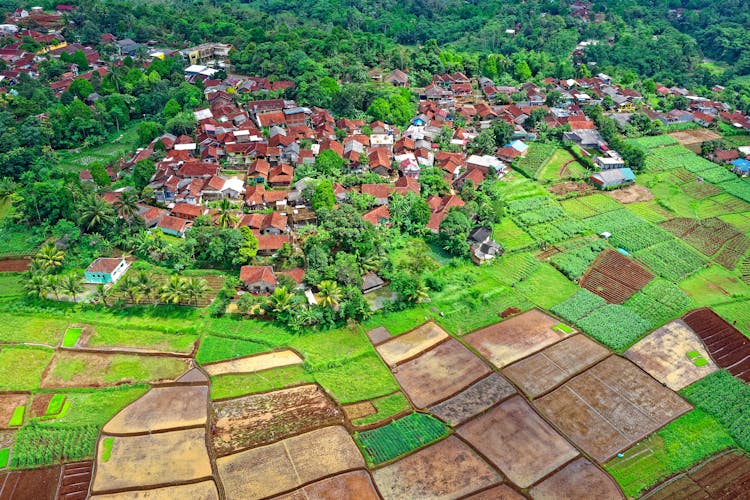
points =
(519, 146)
(628, 174)
(742, 164)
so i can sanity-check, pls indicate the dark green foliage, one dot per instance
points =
(578, 306)
(37, 445)
(573, 263)
(454, 230)
(399, 437)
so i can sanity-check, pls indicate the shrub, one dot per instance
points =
(578, 306)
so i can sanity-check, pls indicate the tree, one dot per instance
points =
(280, 301)
(142, 173)
(181, 124)
(416, 258)
(95, 213)
(171, 108)
(323, 197)
(523, 72)
(249, 247)
(37, 286)
(81, 88)
(99, 174)
(503, 132)
(127, 206)
(484, 143)
(454, 230)
(147, 132)
(131, 288)
(409, 288)
(380, 110)
(329, 163)
(144, 285)
(409, 213)
(330, 294)
(100, 295)
(50, 256)
(196, 289)
(433, 183)
(174, 291)
(72, 285)
(226, 217)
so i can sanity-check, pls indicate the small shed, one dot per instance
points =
(371, 282)
(105, 270)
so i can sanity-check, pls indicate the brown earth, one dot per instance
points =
(474, 399)
(256, 363)
(545, 370)
(502, 492)
(615, 277)
(39, 404)
(663, 354)
(356, 485)
(36, 484)
(285, 465)
(722, 478)
(154, 459)
(697, 136)
(410, 344)
(253, 420)
(14, 265)
(515, 338)
(566, 188)
(447, 469)
(518, 441)
(632, 194)
(378, 335)
(610, 407)
(205, 490)
(8, 403)
(440, 373)
(75, 481)
(578, 479)
(359, 410)
(162, 408)
(727, 345)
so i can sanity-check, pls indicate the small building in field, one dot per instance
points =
(258, 279)
(105, 270)
(371, 282)
(483, 247)
(614, 178)
(741, 167)
(174, 226)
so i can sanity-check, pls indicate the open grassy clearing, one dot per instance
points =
(512, 237)
(562, 165)
(113, 148)
(214, 348)
(679, 445)
(18, 241)
(229, 386)
(31, 328)
(33, 360)
(72, 369)
(11, 285)
(737, 313)
(714, 285)
(113, 336)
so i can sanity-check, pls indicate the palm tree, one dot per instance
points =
(175, 290)
(37, 286)
(127, 205)
(55, 285)
(330, 294)
(280, 301)
(196, 288)
(418, 293)
(95, 213)
(50, 256)
(7, 187)
(101, 294)
(226, 217)
(145, 284)
(131, 289)
(71, 284)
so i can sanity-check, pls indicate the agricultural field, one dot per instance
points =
(727, 345)
(615, 277)
(401, 436)
(561, 166)
(536, 157)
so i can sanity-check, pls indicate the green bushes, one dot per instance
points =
(578, 306)
(615, 326)
(660, 301)
(399, 437)
(727, 399)
(37, 445)
(574, 263)
(55, 404)
(672, 259)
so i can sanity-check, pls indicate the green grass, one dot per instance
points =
(107, 448)
(18, 241)
(4, 456)
(399, 437)
(363, 378)
(113, 148)
(55, 405)
(737, 313)
(11, 285)
(76, 368)
(538, 154)
(142, 368)
(71, 337)
(37, 329)
(220, 348)
(228, 386)
(714, 285)
(98, 406)
(21, 368)
(512, 237)
(386, 407)
(546, 286)
(550, 172)
(678, 446)
(17, 418)
(114, 336)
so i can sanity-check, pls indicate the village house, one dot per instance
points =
(105, 270)
(258, 279)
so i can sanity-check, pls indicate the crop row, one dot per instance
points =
(738, 187)
(733, 250)
(37, 445)
(612, 221)
(578, 306)
(573, 263)
(614, 325)
(659, 302)
(556, 231)
(537, 155)
(638, 237)
(529, 204)
(672, 259)
(399, 437)
(654, 141)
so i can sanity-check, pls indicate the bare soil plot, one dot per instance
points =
(205, 490)
(153, 459)
(75, 480)
(726, 477)
(285, 465)
(515, 338)
(727, 345)
(257, 363)
(359, 410)
(615, 277)
(697, 136)
(30, 484)
(674, 355)
(356, 485)
(545, 370)
(440, 373)
(474, 399)
(250, 421)
(611, 406)
(378, 335)
(447, 469)
(410, 344)
(14, 265)
(578, 479)
(8, 403)
(39, 404)
(162, 408)
(193, 376)
(632, 194)
(518, 441)
(566, 188)
(501, 492)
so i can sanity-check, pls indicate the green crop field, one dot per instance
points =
(37, 445)
(386, 407)
(33, 360)
(399, 437)
(71, 336)
(537, 155)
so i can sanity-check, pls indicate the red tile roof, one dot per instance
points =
(255, 274)
(103, 265)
